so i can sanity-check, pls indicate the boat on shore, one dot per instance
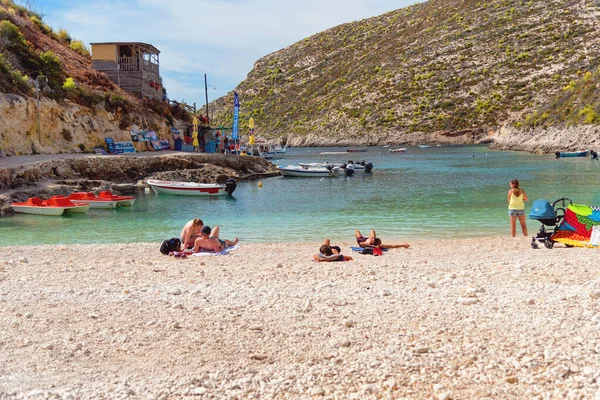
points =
(402, 150)
(192, 188)
(562, 154)
(56, 205)
(308, 171)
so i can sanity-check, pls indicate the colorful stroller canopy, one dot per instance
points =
(580, 227)
(542, 209)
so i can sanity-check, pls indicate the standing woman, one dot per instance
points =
(516, 207)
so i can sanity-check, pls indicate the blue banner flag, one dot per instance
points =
(236, 111)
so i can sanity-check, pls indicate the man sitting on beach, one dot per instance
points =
(373, 241)
(209, 241)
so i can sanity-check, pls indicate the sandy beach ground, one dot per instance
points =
(450, 319)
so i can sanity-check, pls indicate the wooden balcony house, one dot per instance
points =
(132, 66)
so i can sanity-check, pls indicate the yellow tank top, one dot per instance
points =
(516, 202)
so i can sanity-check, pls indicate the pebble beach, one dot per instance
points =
(487, 318)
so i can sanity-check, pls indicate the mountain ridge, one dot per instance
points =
(433, 68)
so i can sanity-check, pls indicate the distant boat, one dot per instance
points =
(582, 153)
(424, 146)
(402, 150)
(386, 145)
(361, 150)
(332, 153)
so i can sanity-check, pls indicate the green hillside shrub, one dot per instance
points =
(11, 33)
(64, 36)
(78, 47)
(41, 25)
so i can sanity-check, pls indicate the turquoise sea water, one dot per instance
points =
(438, 192)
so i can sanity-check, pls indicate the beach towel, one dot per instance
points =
(579, 226)
(223, 252)
(360, 249)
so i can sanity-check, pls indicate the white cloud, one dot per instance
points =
(220, 38)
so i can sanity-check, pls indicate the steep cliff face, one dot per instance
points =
(65, 127)
(78, 108)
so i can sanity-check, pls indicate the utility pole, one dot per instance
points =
(206, 93)
(37, 96)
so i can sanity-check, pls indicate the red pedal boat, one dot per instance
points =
(56, 205)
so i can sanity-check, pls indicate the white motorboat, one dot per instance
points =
(309, 171)
(266, 150)
(322, 164)
(192, 188)
(402, 150)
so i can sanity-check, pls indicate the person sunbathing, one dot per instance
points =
(210, 241)
(373, 241)
(328, 253)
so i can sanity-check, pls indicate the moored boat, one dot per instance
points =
(309, 171)
(402, 150)
(424, 146)
(56, 205)
(356, 150)
(91, 199)
(582, 153)
(192, 188)
(121, 200)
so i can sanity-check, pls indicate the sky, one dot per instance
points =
(220, 38)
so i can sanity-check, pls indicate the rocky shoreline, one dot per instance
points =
(122, 174)
(542, 141)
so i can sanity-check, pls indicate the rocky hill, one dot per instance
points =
(79, 107)
(454, 70)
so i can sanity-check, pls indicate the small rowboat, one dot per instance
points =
(582, 153)
(192, 188)
(56, 205)
(402, 150)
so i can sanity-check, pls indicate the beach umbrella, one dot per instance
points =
(195, 142)
(251, 123)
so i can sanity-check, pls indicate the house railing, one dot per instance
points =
(132, 64)
(129, 64)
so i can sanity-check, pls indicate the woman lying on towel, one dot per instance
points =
(328, 253)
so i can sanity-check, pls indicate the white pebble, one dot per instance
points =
(467, 301)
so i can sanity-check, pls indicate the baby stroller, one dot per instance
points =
(550, 215)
